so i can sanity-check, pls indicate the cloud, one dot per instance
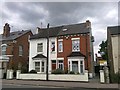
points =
(29, 15)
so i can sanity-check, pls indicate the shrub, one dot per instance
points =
(71, 72)
(115, 78)
(33, 71)
(58, 71)
(24, 70)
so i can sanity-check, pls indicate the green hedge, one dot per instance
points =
(115, 78)
(33, 71)
(58, 71)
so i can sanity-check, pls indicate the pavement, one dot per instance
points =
(87, 85)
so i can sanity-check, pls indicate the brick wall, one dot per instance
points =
(67, 49)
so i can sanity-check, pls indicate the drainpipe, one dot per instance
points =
(47, 52)
(87, 52)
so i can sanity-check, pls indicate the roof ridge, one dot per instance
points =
(63, 25)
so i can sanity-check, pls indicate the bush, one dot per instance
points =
(58, 71)
(115, 78)
(24, 70)
(33, 71)
(71, 72)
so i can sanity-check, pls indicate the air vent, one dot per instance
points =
(65, 29)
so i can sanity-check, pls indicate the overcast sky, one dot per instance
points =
(29, 15)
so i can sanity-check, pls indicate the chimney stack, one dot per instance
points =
(6, 30)
(88, 24)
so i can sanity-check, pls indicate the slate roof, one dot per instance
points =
(114, 30)
(13, 35)
(58, 31)
(74, 29)
(39, 56)
(43, 33)
(76, 54)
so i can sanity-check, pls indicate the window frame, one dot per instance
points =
(76, 44)
(82, 69)
(52, 46)
(4, 50)
(38, 67)
(42, 67)
(61, 63)
(20, 50)
(60, 46)
(41, 47)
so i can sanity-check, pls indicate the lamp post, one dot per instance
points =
(47, 52)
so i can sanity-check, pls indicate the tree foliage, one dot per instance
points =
(103, 50)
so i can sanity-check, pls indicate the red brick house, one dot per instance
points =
(76, 47)
(14, 48)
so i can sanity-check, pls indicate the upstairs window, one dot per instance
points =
(20, 50)
(75, 45)
(4, 48)
(60, 46)
(52, 46)
(40, 47)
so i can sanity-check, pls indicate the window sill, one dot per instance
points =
(60, 51)
(40, 72)
(39, 52)
(76, 51)
(53, 52)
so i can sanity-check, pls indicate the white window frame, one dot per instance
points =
(59, 63)
(60, 46)
(40, 67)
(79, 59)
(52, 46)
(82, 66)
(78, 41)
(39, 47)
(4, 48)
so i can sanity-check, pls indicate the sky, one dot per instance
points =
(29, 15)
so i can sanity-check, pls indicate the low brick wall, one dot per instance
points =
(59, 77)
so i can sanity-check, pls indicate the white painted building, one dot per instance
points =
(41, 44)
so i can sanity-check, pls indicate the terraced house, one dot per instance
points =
(14, 49)
(70, 48)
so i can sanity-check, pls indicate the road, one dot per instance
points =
(22, 87)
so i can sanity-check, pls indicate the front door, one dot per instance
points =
(53, 65)
(75, 66)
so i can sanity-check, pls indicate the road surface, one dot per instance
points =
(22, 87)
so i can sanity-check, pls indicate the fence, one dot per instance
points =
(59, 77)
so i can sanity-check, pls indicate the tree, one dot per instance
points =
(103, 50)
